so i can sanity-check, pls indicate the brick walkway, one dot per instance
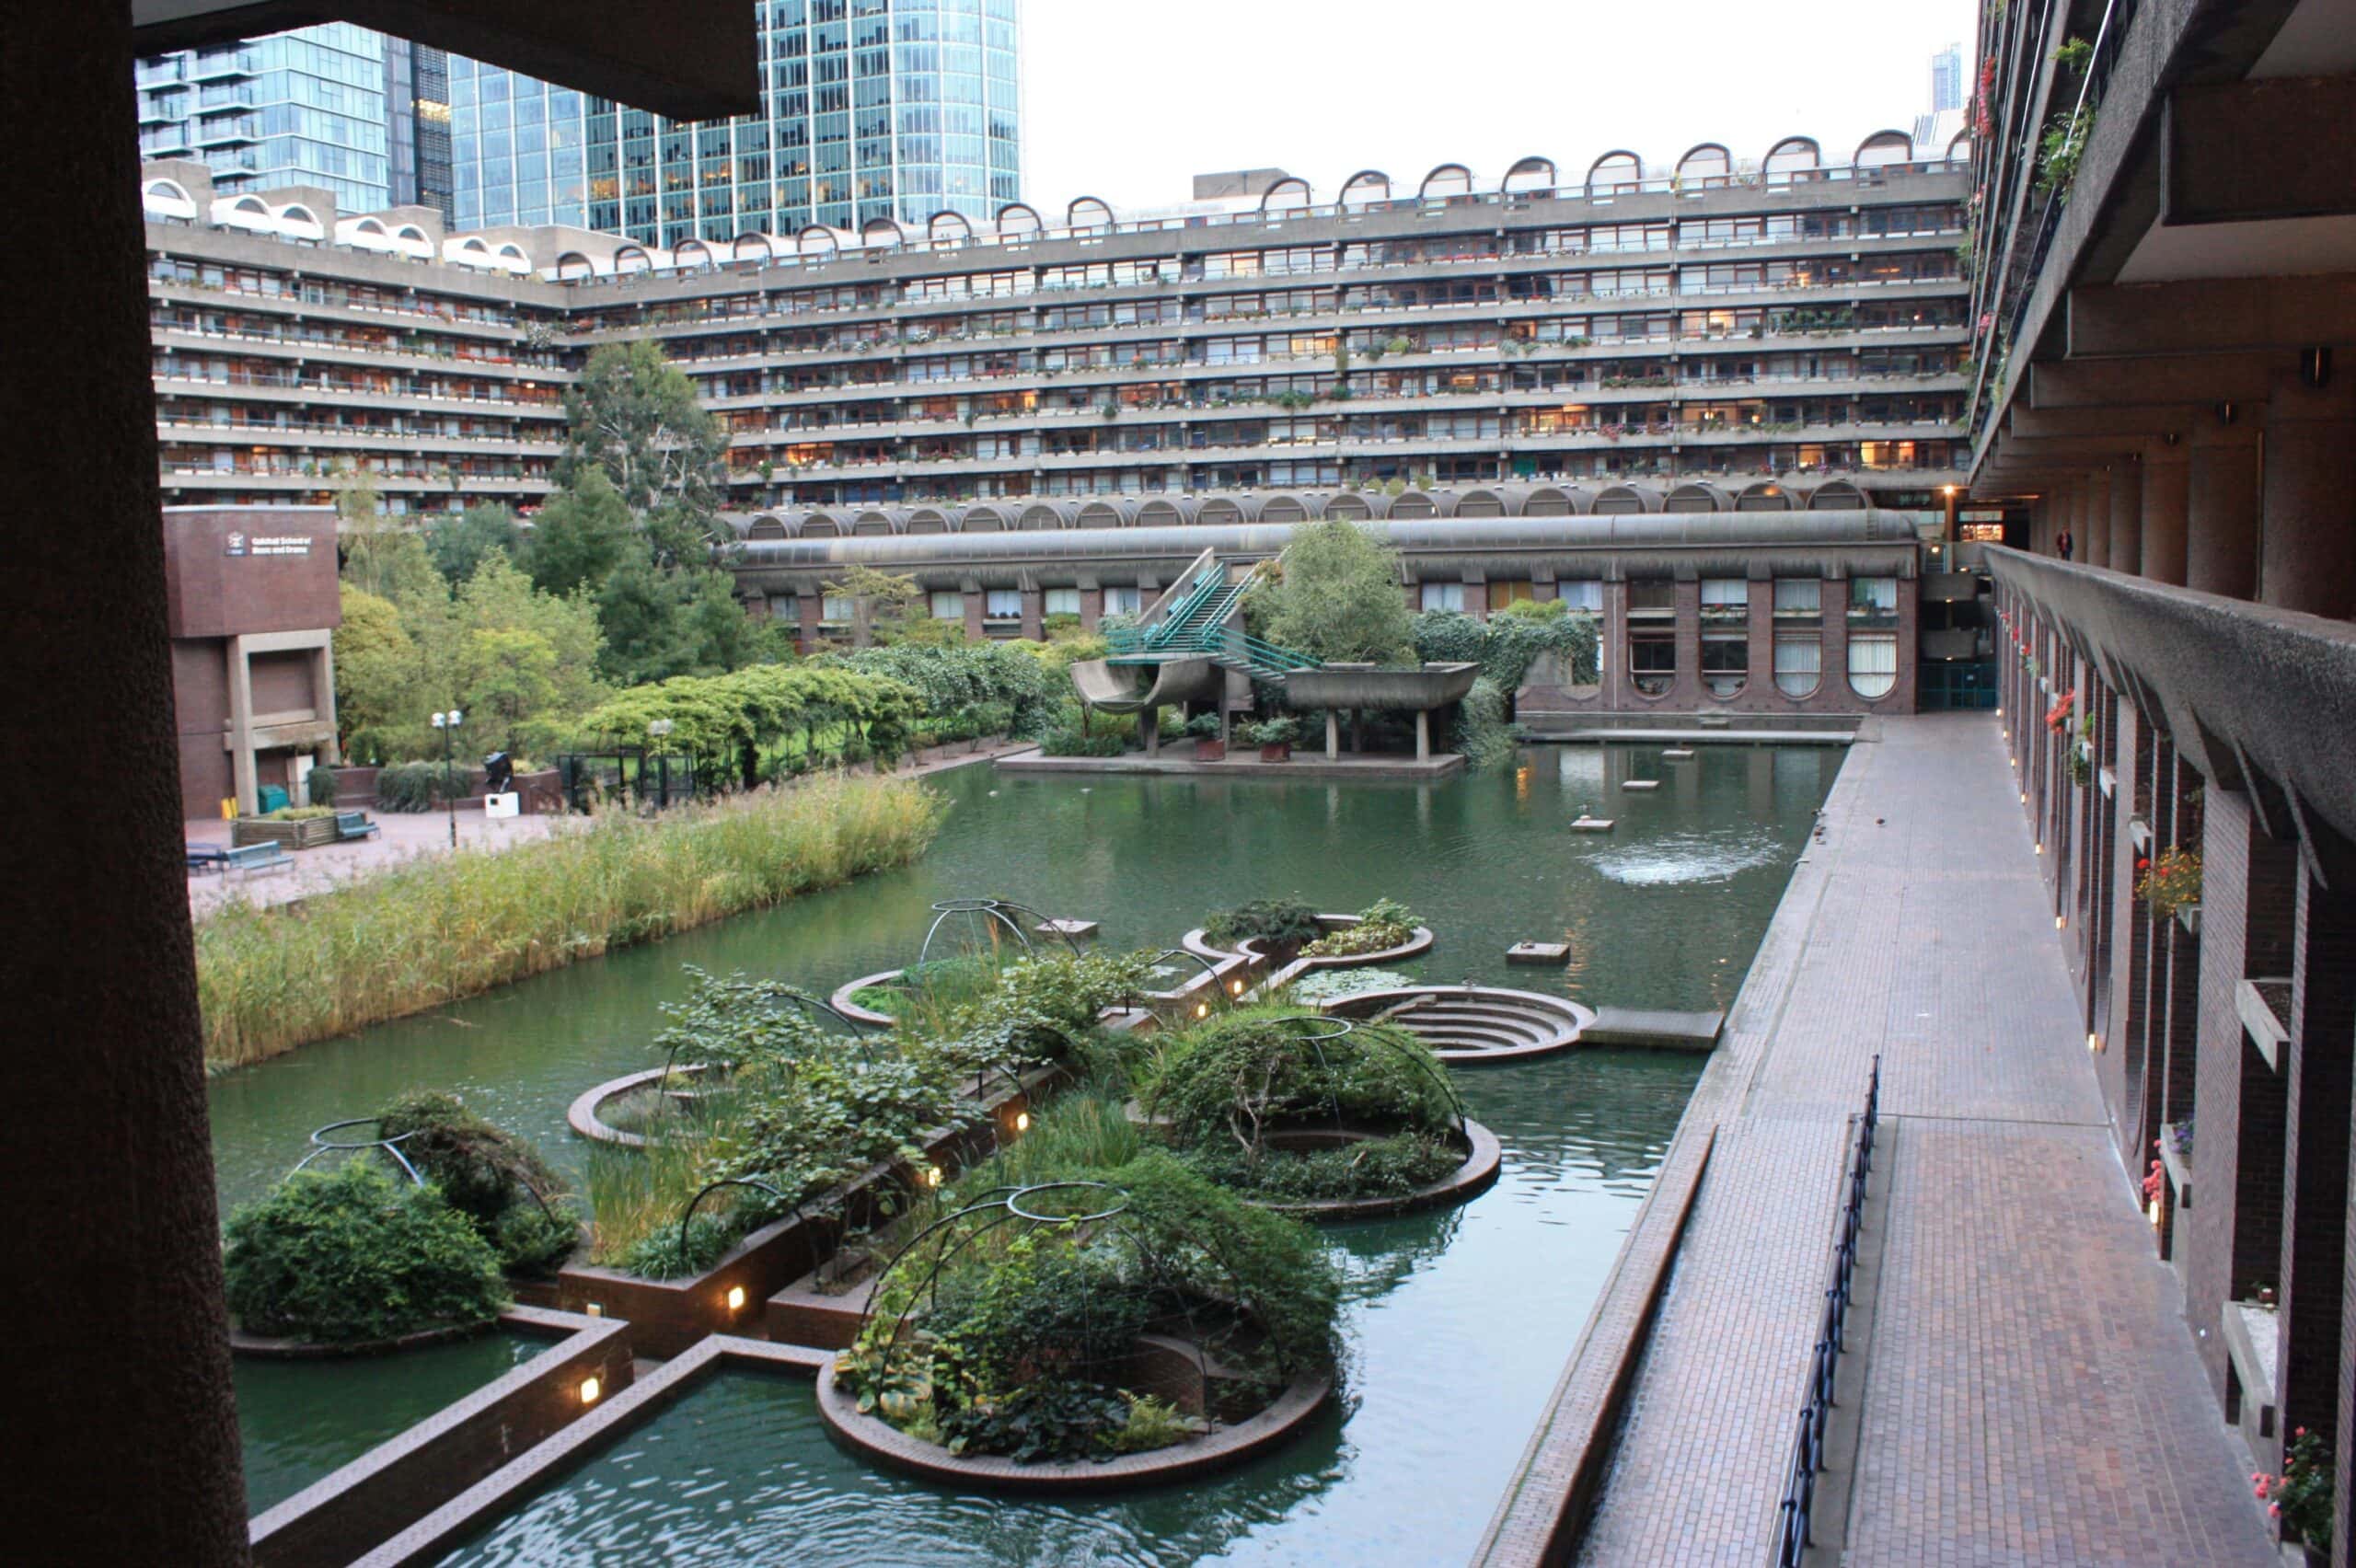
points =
(2031, 1395)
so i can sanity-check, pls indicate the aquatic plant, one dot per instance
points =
(432, 931)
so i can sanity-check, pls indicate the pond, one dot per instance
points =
(1459, 1321)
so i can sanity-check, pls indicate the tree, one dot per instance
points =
(581, 536)
(379, 689)
(890, 599)
(461, 542)
(506, 677)
(1337, 595)
(635, 417)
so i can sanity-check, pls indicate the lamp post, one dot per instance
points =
(446, 722)
(656, 730)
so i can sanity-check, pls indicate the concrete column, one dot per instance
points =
(975, 601)
(2125, 537)
(807, 610)
(2094, 518)
(1423, 734)
(1333, 735)
(2221, 526)
(2308, 527)
(119, 1426)
(1035, 614)
(1150, 731)
(241, 728)
(2167, 476)
(1092, 607)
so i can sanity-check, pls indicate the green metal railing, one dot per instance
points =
(1208, 582)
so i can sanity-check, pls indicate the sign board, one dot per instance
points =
(507, 806)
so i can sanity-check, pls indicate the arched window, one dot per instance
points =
(817, 241)
(1532, 173)
(752, 247)
(1883, 148)
(1617, 171)
(1018, 220)
(1792, 155)
(1447, 180)
(1708, 163)
(1088, 212)
(574, 264)
(633, 259)
(1290, 194)
(949, 228)
(1366, 185)
(692, 253)
(883, 232)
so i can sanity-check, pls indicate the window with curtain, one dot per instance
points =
(1003, 604)
(1725, 599)
(1797, 596)
(1582, 597)
(1799, 663)
(835, 609)
(1061, 602)
(1873, 663)
(1123, 601)
(949, 605)
(1443, 596)
(1873, 600)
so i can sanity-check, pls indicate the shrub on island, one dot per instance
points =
(350, 1256)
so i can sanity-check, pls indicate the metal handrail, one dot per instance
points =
(1211, 579)
(1793, 1539)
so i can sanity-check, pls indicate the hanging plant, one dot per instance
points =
(2169, 883)
(2058, 716)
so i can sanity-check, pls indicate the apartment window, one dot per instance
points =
(1799, 598)
(1584, 598)
(1062, 602)
(1651, 659)
(1002, 604)
(1725, 601)
(785, 607)
(1443, 596)
(1123, 601)
(1799, 663)
(1655, 598)
(1872, 601)
(835, 609)
(1873, 663)
(949, 605)
(1726, 663)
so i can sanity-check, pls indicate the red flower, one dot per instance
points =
(2143, 865)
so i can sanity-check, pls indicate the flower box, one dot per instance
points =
(302, 833)
(1208, 750)
(1280, 750)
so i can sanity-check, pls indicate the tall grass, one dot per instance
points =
(425, 934)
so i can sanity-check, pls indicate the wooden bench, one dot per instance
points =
(352, 826)
(252, 858)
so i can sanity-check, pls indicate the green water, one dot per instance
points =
(303, 1420)
(1459, 1322)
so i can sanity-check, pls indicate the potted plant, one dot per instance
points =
(1273, 737)
(1209, 747)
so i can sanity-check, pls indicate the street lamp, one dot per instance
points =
(446, 722)
(656, 728)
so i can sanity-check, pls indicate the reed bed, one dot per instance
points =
(427, 934)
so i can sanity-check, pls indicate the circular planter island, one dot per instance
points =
(1474, 1025)
(1483, 1158)
(873, 1437)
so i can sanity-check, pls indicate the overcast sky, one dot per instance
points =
(1129, 100)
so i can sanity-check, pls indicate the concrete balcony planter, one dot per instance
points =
(304, 833)
(1279, 752)
(1208, 750)
(2189, 918)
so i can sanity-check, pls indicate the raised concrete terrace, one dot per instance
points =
(2029, 1392)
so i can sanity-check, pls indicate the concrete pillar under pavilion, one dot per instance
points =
(2166, 480)
(2124, 536)
(2094, 518)
(2307, 528)
(2220, 551)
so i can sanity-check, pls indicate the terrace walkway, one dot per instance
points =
(2030, 1393)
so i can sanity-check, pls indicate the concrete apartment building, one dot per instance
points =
(2165, 379)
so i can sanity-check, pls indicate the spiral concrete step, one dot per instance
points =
(1474, 1025)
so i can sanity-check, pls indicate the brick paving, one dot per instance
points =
(2031, 1395)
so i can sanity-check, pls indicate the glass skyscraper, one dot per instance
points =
(872, 108)
(304, 108)
(1947, 79)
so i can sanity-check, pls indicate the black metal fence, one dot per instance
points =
(653, 781)
(1807, 1447)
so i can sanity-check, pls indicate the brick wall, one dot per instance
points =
(2323, 1038)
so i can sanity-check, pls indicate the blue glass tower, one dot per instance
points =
(872, 108)
(304, 108)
